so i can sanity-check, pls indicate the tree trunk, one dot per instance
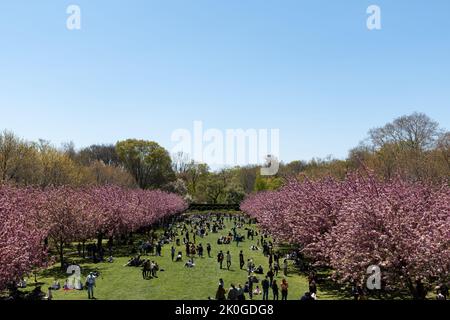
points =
(61, 255)
(99, 242)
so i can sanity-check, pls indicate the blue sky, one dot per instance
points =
(142, 69)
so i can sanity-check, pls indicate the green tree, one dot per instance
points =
(148, 162)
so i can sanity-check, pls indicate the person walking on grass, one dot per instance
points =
(228, 260)
(220, 258)
(241, 260)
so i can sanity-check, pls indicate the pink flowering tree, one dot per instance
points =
(66, 214)
(21, 244)
(402, 227)
(399, 226)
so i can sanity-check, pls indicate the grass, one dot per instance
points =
(117, 282)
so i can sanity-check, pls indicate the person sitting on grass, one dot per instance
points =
(56, 285)
(259, 270)
(257, 291)
(190, 264)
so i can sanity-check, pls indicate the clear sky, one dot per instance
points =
(142, 69)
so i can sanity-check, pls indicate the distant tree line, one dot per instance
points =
(412, 146)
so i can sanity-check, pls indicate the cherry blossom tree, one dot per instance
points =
(21, 244)
(402, 227)
(66, 214)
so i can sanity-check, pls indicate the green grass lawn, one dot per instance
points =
(176, 282)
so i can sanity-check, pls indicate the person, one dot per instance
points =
(238, 240)
(259, 270)
(49, 296)
(440, 296)
(276, 268)
(56, 285)
(266, 287)
(313, 288)
(240, 293)
(22, 283)
(90, 284)
(145, 269)
(220, 295)
(307, 297)
(275, 290)
(241, 259)
(221, 283)
(188, 249)
(257, 291)
(228, 260)
(250, 266)
(250, 287)
(284, 290)
(444, 290)
(155, 269)
(271, 275)
(220, 258)
(208, 248)
(172, 252)
(179, 257)
(232, 293)
(190, 264)
(285, 267)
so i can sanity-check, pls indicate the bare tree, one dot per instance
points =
(181, 163)
(416, 131)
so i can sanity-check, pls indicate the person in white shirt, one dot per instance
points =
(90, 284)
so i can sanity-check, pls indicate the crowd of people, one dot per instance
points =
(257, 282)
(186, 236)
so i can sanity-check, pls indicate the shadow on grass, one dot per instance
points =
(57, 273)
